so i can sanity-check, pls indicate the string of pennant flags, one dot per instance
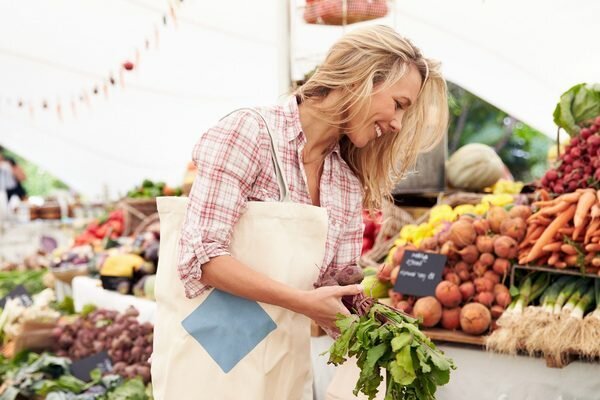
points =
(101, 85)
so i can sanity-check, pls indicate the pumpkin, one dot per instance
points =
(474, 167)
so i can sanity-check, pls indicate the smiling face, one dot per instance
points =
(388, 106)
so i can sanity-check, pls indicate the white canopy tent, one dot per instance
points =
(222, 55)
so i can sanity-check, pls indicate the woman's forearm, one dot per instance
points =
(230, 275)
(323, 304)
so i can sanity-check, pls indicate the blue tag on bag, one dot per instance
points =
(228, 327)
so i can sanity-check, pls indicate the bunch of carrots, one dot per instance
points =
(564, 232)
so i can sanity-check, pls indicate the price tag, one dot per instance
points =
(81, 369)
(18, 292)
(420, 273)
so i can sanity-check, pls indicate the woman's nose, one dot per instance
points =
(396, 124)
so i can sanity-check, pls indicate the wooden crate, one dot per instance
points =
(135, 211)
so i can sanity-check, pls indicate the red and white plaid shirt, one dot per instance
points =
(234, 166)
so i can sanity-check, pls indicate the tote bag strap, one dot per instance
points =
(281, 182)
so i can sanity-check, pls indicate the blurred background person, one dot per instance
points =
(12, 177)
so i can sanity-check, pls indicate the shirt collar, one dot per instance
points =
(292, 116)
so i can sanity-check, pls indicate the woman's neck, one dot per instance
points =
(320, 136)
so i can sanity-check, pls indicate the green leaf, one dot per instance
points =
(375, 353)
(96, 375)
(576, 105)
(132, 389)
(402, 369)
(401, 340)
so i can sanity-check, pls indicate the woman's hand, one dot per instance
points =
(324, 304)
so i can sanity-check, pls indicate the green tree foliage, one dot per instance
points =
(522, 148)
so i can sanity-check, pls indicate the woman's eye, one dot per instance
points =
(399, 105)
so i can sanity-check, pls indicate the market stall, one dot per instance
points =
(476, 286)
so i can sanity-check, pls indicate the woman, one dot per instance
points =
(338, 145)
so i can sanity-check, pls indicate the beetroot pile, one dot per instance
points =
(579, 164)
(473, 292)
(128, 343)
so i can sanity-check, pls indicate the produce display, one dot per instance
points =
(552, 315)
(111, 226)
(129, 343)
(564, 232)
(32, 280)
(474, 291)
(16, 314)
(32, 376)
(372, 225)
(578, 113)
(149, 189)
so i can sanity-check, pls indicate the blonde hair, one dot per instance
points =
(356, 65)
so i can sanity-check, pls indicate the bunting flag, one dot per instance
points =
(169, 17)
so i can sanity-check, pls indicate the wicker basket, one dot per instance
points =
(394, 218)
(135, 211)
(343, 12)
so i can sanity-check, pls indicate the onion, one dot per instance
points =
(514, 228)
(475, 318)
(496, 215)
(505, 247)
(448, 294)
(451, 318)
(467, 290)
(429, 309)
(462, 233)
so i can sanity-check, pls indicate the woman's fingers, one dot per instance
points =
(350, 290)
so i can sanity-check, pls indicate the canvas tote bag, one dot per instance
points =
(219, 346)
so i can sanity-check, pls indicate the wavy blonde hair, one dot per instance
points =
(359, 64)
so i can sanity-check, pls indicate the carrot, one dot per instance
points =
(554, 258)
(567, 230)
(588, 258)
(592, 227)
(530, 228)
(555, 209)
(533, 236)
(561, 265)
(570, 197)
(548, 235)
(571, 260)
(539, 220)
(544, 203)
(595, 211)
(543, 194)
(592, 247)
(579, 232)
(552, 247)
(586, 201)
(568, 249)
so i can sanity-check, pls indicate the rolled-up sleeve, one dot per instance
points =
(228, 158)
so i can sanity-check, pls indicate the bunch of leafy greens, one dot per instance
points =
(577, 105)
(30, 374)
(385, 338)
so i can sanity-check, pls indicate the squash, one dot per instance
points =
(474, 167)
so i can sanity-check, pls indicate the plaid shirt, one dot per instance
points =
(234, 166)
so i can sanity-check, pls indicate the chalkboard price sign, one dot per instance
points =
(18, 292)
(420, 273)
